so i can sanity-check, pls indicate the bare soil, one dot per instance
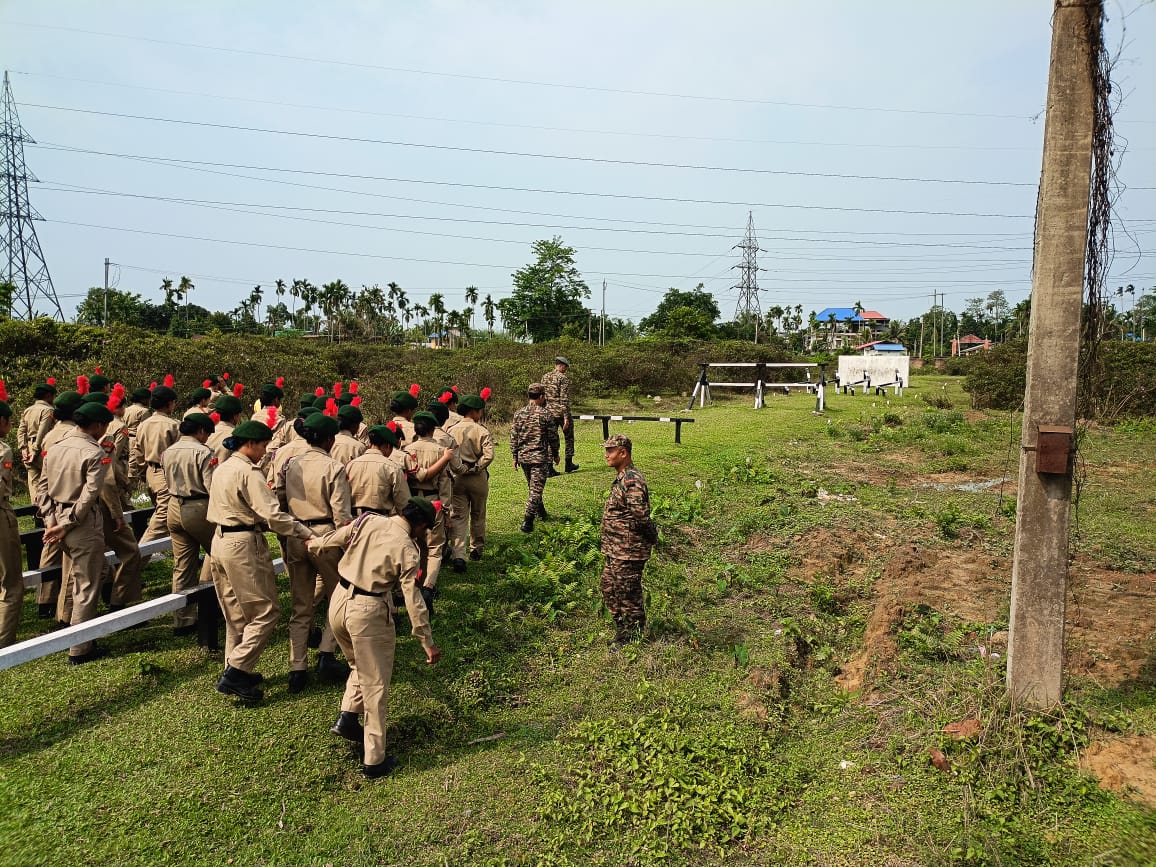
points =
(1125, 765)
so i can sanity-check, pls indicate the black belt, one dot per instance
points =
(192, 497)
(65, 505)
(425, 490)
(155, 465)
(357, 591)
(361, 510)
(317, 522)
(240, 528)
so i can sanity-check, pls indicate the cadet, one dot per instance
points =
(11, 556)
(316, 491)
(155, 434)
(35, 423)
(628, 534)
(347, 447)
(68, 501)
(530, 443)
(229, 409)
(189, 465)
(198, 402)
(403, 404)
(449, 397)
(122, 444)
(379, 557)
(49, 598)
(137, 410)
(558, 404)
(376, 483)
(271, 396)
(241, 506)
(432, 479)
(216, 388)
(472, 485)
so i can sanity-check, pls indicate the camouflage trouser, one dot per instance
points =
(622, 593)
(555, 442)
(536, 479)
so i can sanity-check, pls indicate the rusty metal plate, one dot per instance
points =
(1053, 449)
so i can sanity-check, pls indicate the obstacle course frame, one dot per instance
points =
(761, 383)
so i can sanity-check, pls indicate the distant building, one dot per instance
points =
(969, 344)
(837, 327)
(882, 347)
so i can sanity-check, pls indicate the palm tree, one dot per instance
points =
(437, 304)
(421, 312)
(467, 324)
(255, 300)
(167, 288)
(488, 313)
(471, 300)
(295, 292)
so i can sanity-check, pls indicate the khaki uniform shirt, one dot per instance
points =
(475, 445)
(276, 469)
(530, 435)
(196, 407)
(221, 432)
(155, 434)
(628, 532)
(405, 430)
(61, 430)
(240, 497)
(35, 423)
(380, 557)
(376, 482)
(426, 453)
(7, 460)
(116, 484)
(557, 394)
(346, 448)
(74, 473)
(215, 392)
(314, 487)
(134, 414)
(189, 467)
(453, 421)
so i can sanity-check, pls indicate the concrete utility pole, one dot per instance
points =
(1035, 663)
(106, 263)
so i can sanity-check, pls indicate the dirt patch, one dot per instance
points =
(826, 552)
(1111, 624)
(1125, 765)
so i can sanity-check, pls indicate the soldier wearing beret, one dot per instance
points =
(403, 405)
(376, 483)
(530, 444)
(316, 491)
(628, 534)
(68, 500)
(472, 485)
(35, 423)
(434, 466)
(198, 402)
(379, 557)
(346, 446)
(11, 557)
(558, 405)
(155, 434)
(137, 410)
(189, 464)
(229, 409)
(49, 598)
(242, 506)
(271, 396)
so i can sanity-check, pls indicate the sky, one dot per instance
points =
(884, 152)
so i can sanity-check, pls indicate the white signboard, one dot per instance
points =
(887, 370)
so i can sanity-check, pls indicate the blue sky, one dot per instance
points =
(796, 96)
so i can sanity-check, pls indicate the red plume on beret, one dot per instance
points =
(216, 417)
(169, 381)
(415, 390)
(271, 417)
(445, 397)
(82, 384)
(118, 390)
(3, 391)
(152, 385)
(486, 392)
(353, 386)
(51, 380)
(319, 392)
(454, 389)
(337, 389)
(331, 407)
(437, 504)
(280, 383)
(206, 383)
(356, 400)
(238, 388)
(114, 401)
(97, 369)
(224, 376)
(392, 425)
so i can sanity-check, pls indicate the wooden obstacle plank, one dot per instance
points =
(606, 419)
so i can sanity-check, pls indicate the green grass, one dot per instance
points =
(717, 741)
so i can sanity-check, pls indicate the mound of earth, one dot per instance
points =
(1125, 765)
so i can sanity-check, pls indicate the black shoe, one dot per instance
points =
(330, 669)
(255, 677)
(46, 610)
(348, 727)
(182, 631)
(95, 653)
(475, 555)
(381, 768)
(459, 564)
(106, 593)
(553, 472)
(314, 637)
(571, 467)
(239, 683)
(527, 525)
(298, 680)
(428, 595)
(543, 515)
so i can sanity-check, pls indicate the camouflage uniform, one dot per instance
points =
(558, 406)
(628, 534)
(530, 444)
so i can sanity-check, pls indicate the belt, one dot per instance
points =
(155, 465)
(361, 510)
(357, 591)
(317, 522)
(240, 528)
(191, 497)
(425, 490)
(65, 505)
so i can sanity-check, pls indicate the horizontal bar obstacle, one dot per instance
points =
(816, 385)
(606, 419)
(866, 383)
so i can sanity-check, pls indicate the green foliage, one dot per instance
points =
(930, 635)
(548, 294)
(552, 580)
(683, 315)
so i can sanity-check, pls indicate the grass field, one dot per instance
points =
(818, 606)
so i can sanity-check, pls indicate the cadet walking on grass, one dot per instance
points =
(155, 434)
(242, 506)
(189, 464)
(49, 598)
(11, 562)
(377, 483)
(379, 557)
(530, 444)
(557, 385)
(628, 534)
(35, 423)
(228, 410)
(472, 485)
(434, 466)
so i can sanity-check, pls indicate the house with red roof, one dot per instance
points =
(837, 327)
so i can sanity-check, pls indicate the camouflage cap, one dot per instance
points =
(617, 441)
(536, 389)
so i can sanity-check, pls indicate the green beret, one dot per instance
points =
(427, 509)
(252, 430)
(319, 403)
(453, 395)
(98, 382)
(199, 394)
(162, 394)
(95, 397)
(271, 392)
(228, 406)
(424, 415)
(350, 413)
(307, 399)
(403, 400)
(141, 395)
(307, 411)
(6, 411)
(439, 411)
(319, 422)
(201, 420)
(68, 400)
(94, 412)
(379, 434)
(345, 399)
(472, 401)
(43, 390)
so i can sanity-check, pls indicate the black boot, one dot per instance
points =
(329, 668)
(239, 683)
(571, 466)
(314, 637)
(458, 564)
(46, 610)
(298, 680)
(553, 472)
(528, 524)
(349, 727)
(95, 653)
(475, 555)
(381, 768)
(542, 514)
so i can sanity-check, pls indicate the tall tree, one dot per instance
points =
(548, 293)
(437, 304)
(471, 301)
(489, 309)
(687, 315)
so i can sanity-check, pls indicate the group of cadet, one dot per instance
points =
(366, 515)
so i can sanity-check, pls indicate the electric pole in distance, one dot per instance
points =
(748, 307)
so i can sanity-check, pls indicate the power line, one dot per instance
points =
(530, 154)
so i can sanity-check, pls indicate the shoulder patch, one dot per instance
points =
(212, 461)
(8, 465)
(106, 460)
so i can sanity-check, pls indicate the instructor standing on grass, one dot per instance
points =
(557, 385)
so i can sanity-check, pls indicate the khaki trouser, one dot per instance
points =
(49, 592)
(84, 564)
(470, 493)
(126, 585)
(189, 527)
(436, 540)
(364, 629)
(158, 526)
(11, 576)
(247, 591)
(303, 570)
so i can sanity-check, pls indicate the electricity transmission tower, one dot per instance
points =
(20, 253)
(748, 308)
